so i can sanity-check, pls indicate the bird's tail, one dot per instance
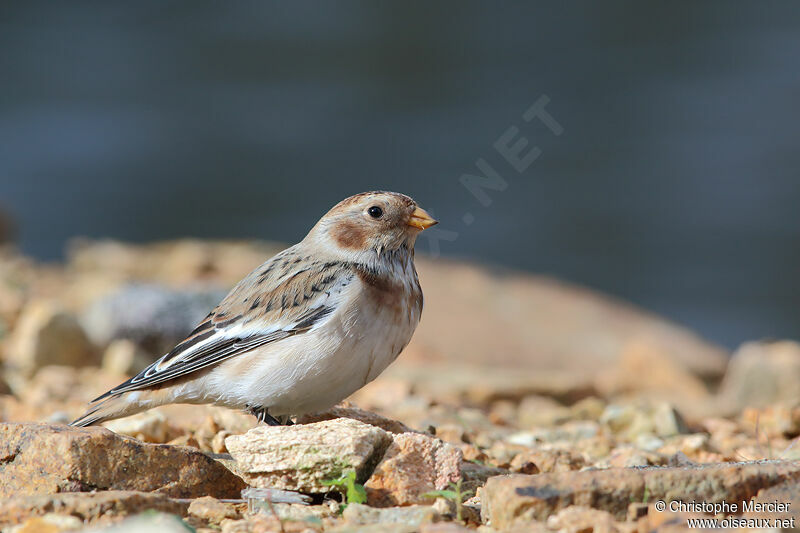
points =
(108, 409)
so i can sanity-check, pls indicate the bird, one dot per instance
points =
(302, 331)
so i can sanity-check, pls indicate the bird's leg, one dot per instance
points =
(263, 416)
(285, 420)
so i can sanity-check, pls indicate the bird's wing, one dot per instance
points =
(288, 295)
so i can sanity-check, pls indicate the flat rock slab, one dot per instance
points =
(87, 506)
(508, 499)
(303, 457)
(47, 459)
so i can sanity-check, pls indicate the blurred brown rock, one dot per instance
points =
(303, 457)
(463, 383)
(508, 499)
(760, 374)
(86, 506)
(546, 325)
(47, 335)
(644, 370)
(45, 459)
(413, 465)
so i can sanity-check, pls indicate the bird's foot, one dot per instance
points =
(264, 416)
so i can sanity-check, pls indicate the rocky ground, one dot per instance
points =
(523, 404)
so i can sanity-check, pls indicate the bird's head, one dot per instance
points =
(371, 222)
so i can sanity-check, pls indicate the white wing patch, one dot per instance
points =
(209, 345)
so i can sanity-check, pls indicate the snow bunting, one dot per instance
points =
(302, 331)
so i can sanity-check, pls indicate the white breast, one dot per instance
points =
(317, 369)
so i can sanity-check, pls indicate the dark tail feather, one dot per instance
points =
(88, 419)
(107, 409)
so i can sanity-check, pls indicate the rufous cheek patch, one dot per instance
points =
(349, 235)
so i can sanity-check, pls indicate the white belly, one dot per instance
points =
(315, 370)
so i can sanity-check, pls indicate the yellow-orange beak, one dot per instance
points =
(421, 220)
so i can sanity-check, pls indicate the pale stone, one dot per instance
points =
(212, 510)
(414, 465)
(302, 457)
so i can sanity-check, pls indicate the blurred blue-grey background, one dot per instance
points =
(675, 184)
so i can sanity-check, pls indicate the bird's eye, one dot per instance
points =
(375, 211)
